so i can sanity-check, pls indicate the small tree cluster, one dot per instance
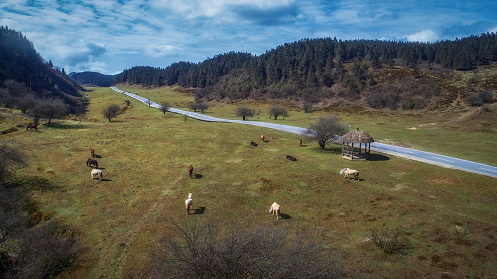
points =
(17, 95)
(206, 250)
(482, 97)
(199, 106)
(278, 111)
(244, 112)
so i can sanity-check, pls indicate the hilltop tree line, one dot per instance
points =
(319, 68)
(21, 64)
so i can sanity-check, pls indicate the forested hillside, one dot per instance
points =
(93, 79)
(24, 74)
(380, 74)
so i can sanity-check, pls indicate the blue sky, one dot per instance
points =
(112, 35)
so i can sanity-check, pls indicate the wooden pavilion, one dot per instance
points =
(356, 145)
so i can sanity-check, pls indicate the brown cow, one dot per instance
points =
(190, 171)
(262, 138)
(92, 152)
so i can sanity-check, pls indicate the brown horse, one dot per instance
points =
(31, 127)
(92, 152)
(190, 171)
(90, 162)
(263, 138)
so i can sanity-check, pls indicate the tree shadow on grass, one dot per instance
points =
(37, 183)
(66, 126)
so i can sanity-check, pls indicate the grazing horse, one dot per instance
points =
(275, 209)
(96, 173)
(291, 158)
(188, 204)
(263, 138)
(92, 152)
(91, 162)
(190, 171)
(31, 127)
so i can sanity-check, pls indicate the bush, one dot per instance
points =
(389, 241)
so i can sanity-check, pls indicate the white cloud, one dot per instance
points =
(427, 35)
(161, 50)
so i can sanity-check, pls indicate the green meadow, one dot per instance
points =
(448, 217)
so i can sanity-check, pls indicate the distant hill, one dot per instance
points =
(20, 62)
(93, 79)
(378, 74)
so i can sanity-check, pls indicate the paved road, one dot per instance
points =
(421, 156)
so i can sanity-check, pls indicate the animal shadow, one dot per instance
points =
(199, 210)
(98, 156)
(285, 216)
(197, 176)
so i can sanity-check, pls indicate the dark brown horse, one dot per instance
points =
(32, 126)
(190, 171)
(91, 162)
(92, 152)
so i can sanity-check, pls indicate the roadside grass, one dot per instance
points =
(449, 216)
(470, 134)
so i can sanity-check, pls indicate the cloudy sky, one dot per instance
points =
(108, 36)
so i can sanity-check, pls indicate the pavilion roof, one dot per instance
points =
(357, 136)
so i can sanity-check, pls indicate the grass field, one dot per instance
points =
(448, 216)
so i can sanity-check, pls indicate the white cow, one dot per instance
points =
(348, 172)
(275, 209)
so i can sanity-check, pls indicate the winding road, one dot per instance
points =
(416, 155)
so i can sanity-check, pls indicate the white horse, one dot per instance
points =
(348, 172)
(188, 203)
(275, 209)
(96, 173)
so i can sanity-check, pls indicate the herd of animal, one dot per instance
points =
(275, 208)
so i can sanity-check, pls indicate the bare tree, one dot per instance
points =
(278, 111)
(324, 130)
(164, 106)
(307, 106)
(111, 111)
(204, 249)
(202, 106)
(244, 111)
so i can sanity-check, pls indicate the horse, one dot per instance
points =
(96, 173)
(92, 152)
(263, 138)
(291, 158)
(188, 204)
(31, 127)
(90, 162)
(275, 209)
(190, 171)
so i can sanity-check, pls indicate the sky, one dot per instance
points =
(109, 36)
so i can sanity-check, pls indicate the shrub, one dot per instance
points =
(389, 241)
(206, 250)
